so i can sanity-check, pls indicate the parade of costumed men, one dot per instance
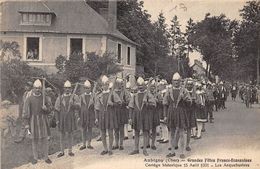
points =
(174, 113)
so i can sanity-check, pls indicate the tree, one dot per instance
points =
(14, 72)
(212, 37)
(247, 41)
(92, 67)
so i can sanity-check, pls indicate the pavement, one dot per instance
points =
(232, 141)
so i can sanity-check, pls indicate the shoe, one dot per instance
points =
(34, 161)
(71, 154)
(145, 153)
(90, 147)
(134, 152)
(169, 148)
(203, 130)
(164, 141)
(103, 152)
(82, 148)
(48, 161)
(182, 156)
(153, 147)
(115, 147)
(110, 153)
(19, 140)
(198, 137)
(170, 155)
(121, 148)
(192, 136)
(188, 149)
(125, 138)
(159, 140)
(99, 139)
(60, 155)
(176, 148)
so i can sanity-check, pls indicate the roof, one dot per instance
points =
(74, 17)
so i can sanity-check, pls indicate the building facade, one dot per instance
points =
(46, 29)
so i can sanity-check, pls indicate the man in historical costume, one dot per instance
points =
(189, 101)
(128, 95)
(105, 113)
(209, 101)
(234, 91)
(247, 95)
(66, 115)
(36, 109)
(201, 115)
(121, 113)
(216, 94)
(175, 114)
(87, 114)
(223, 95)
(163, 126)
(155, 115)
(139, 114)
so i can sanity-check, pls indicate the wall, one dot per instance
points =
(54, 45)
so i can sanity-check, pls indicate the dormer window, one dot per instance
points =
(34, 18)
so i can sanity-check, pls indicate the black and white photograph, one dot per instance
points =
(130, 84)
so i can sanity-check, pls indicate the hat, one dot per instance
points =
(176, 76)
(221, 83)
(110, 85)
(104, 79)
(140, 81)
(189, 81)
(87, 84)
(67, 84)
(146, 82)
(128, 85)
(37, 83)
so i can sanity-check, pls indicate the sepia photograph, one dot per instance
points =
(129, 84)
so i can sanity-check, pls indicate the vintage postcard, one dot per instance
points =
(130, 84)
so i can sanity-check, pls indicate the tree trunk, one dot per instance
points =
(207, 66)
(257, 62)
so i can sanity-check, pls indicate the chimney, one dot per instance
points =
(112, 15)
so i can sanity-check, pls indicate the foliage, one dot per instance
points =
(93, 67)
(14, 72)
(60, 63)
(247, 40)
(212, 37)
(9, 50)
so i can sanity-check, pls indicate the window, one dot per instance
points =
(119, 53)
(36, 19)
(128, 55)
(32, 48)
(75, 45)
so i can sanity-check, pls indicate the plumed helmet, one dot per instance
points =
(67, 84)
(87, 84)
(37, 83)
(140, 81)
(176, 76)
